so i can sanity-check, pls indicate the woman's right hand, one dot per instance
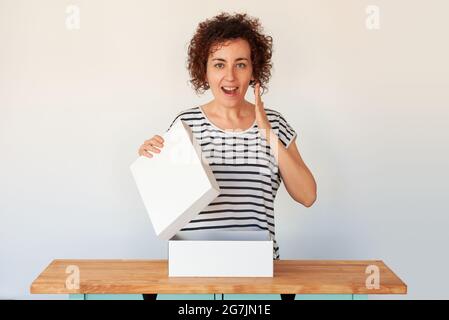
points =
(151, 145)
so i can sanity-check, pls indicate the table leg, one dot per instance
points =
(218, 297)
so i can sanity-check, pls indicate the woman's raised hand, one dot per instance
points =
(261, 116)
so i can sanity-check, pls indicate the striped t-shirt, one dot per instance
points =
(246, 172)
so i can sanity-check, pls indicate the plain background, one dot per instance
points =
(370, 107)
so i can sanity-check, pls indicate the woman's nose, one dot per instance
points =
(230, 74)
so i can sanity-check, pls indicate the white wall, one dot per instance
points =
(370, 107)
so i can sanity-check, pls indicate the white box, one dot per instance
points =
(217, 253)
(176, 184)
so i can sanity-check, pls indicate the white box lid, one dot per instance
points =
(175, 184)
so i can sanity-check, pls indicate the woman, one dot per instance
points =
(250, 149)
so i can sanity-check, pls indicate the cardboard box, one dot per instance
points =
(216, 253)
(175, 185)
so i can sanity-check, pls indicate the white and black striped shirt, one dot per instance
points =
(246, 172)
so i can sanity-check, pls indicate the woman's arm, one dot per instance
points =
(298, 179)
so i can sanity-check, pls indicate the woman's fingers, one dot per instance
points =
(151, 145)
(257, 94)
(146, 154)
(152, 149)
(158, 139)
(143, 152)
(259, 102)
(146, 150)
(154, 143)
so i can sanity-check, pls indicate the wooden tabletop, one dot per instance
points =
(151, 276)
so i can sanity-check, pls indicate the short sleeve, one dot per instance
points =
(285, 133)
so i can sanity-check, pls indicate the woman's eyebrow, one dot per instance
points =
(238, 59)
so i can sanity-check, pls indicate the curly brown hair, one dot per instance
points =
(213, 32)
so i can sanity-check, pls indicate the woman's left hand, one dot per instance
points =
(261, 116)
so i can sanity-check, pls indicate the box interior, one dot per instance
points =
(221, 235)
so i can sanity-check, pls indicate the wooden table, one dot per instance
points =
(309, 279)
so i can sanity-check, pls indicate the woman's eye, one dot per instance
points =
(220, 65)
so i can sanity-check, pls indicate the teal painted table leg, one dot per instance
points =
(331, 297)
(105, 297)
(185, 296)
(297, 297)
(218, 297)
(77, 296)
(140, 297)
(323, 297)
(237, 296)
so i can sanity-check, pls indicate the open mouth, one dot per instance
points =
(230, 90)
